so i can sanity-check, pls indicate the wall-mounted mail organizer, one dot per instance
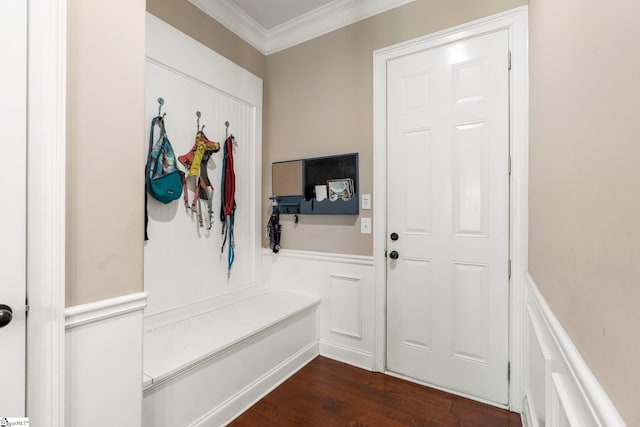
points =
(319, 185)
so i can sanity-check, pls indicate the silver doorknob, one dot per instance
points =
(6, 314)
(394, 255)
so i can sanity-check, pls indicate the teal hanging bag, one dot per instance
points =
(163, 179)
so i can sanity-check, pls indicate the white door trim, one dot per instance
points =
(516, 21)
(46, 177)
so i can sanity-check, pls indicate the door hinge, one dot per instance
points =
(509, 61)
(509, 164)
(385, 253)
(509, 371)
(509, 269)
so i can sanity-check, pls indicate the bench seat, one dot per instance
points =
(266, 336)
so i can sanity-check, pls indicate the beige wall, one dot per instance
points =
(585, 171)
(319, 101)
(105, 127)
(192, 21)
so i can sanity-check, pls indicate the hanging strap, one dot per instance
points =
(185, 194)
(223, 215)
(228, 205)
(146, 218)
(273, 232)
(206, 191)
(231, 254)
(230, 179)
(147, 170)
(194, 170)
(230, 199)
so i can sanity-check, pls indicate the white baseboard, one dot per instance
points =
(104, 362)
(242, 401)
(559, 387)
(352, 356)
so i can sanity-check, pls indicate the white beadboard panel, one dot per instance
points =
(559, 388)
(345, 286)
(103, 365)
(178, 69)
(217, 389)
(167, 45)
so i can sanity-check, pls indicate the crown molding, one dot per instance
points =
(236, 21)
(323, 20)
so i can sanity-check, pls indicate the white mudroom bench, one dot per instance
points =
(206, 368)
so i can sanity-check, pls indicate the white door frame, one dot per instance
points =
(516, 21)
(46, 177)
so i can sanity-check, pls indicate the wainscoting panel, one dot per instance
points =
(345, 303)
(103, 372)
(345, 286)
(559, 388)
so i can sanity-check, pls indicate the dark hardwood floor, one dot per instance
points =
(326, 393)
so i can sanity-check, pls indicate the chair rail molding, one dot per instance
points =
(105, 309)
(559, 387)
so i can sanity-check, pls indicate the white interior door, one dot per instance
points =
(448, 203)
(13, 125)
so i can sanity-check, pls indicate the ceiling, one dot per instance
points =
(271, 13)
(273, 25)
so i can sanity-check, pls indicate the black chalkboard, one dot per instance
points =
(319, 170)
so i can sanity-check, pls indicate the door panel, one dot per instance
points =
(470, 167)
(415, 176)
(470, 311)
(448, 200)
(13, 87)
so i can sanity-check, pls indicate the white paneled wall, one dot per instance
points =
(345, 286)
(183, 263)
(103, 368)
(559, 388)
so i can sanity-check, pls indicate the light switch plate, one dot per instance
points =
(366, 201)
(365, 225)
